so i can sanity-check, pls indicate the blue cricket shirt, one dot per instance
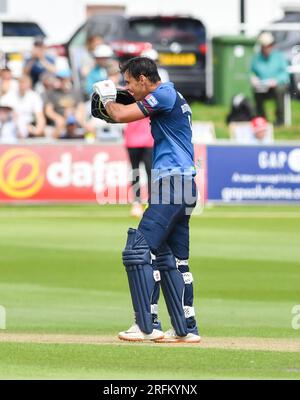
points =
(170, 117)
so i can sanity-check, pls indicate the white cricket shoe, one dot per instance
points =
(171, 337)
(134, 334)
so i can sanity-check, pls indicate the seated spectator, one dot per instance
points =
(103, 56)
(257, 131)
(240, 110)
(73, 129)
(39, 62)
(62, 102)
(8, 126)
(262, 130)
(270, 77)
(8, 85)
(47, 82)
(29, 110)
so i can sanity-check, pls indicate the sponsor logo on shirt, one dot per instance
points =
(151, 100)
(186, 108)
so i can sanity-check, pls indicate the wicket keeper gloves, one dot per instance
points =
(106, 90)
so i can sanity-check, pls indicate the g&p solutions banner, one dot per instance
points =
(253, 173)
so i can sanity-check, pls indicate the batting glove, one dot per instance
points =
(106, 90)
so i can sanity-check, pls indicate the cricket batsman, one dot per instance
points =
(158, 250)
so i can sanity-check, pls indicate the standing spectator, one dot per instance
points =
(83, 60)
(270, 77)
(87, 62)
(29, 110)
(8, 126)
(62, 102)
(103, 55)
(153, 55)
(139, 143)
(39, 62)
(95, 125)
(113, 72)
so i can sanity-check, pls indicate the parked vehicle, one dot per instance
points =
(16, 38)
(180, 42)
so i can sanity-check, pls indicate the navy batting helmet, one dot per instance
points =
(98, 109)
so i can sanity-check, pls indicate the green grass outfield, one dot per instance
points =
(62, 277)
(217, 114)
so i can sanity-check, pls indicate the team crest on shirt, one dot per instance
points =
(151, 100)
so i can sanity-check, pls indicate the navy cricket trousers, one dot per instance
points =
(168, 224)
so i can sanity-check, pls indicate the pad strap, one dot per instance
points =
(154, 309)
(189, 311)
(187, 277)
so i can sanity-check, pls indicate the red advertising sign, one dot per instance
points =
(67, 173)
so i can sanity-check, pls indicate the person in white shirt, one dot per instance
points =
(8, 126)
(29, 110)
(8, 85)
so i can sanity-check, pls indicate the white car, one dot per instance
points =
(16, 39)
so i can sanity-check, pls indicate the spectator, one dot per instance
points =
(270, 77)
(87, 62)
(95, 125)
(8, 126)
(162, 72)
(62, 102)
(139, 143)
(257, 131)
(260, 129)
(240, 110)
(39, 62)
(46, 83)
(113, 72)
(103, 55)
(29, 110)
(8, 85)
(73, 129)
